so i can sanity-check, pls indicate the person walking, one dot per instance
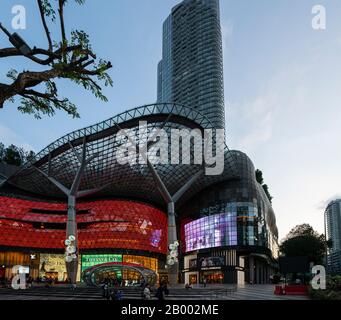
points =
(162, 292)
(147, 293)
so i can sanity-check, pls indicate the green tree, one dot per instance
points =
(2, 151)
(70, 57)
(260, 180)
(12, 156)
(304, 241)
(259, 176)
(29, 155)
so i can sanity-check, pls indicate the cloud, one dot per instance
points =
(256, 120)
(258, 116)
(322, 205)
(227, 31)
(8, 137)
(273, 110)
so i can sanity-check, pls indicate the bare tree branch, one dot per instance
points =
(47, 31)
(62, 27)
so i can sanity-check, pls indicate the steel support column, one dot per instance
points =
(173, 270)
(72, 194)
(71, 230)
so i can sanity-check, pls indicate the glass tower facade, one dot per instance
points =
(333, 224)
(191, 70)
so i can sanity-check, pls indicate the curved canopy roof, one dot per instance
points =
(104, 174)
(149, 276)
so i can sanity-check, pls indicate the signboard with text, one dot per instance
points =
(90, 260)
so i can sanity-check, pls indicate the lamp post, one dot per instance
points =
(17, 41)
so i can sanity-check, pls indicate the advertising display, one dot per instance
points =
(192, 264)
(90, 260)
(211, 262)
(52, 266)
(212, 231)
(147, 262)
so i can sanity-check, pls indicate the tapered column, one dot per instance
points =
(71, 240)
(71, 231)
(173, 270)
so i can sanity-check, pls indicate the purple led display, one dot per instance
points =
(212, 231)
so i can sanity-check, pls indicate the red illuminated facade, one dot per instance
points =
(102, 224)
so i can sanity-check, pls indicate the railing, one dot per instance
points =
(221, 293)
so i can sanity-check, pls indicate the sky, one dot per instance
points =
(282, 87)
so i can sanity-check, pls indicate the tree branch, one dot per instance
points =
(67, 62)
(62, 27)
(96, 71)
(42, 16)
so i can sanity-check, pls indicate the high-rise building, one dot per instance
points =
(191, 70)
(333, 224)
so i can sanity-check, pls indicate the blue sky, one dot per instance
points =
(282, 88)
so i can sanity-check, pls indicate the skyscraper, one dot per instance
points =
(333, 224)
(191, 70)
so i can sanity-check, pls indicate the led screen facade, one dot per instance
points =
(112, 224)
(212, 231)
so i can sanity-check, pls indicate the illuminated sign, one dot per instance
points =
(90, 260)
(24, 269)
(213, 231)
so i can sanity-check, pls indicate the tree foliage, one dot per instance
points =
(260, 180)
(69, 57)
(304, 241)
(14, 155)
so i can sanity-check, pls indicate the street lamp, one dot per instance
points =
(17, 41)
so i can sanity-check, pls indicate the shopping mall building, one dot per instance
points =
(226, 226)
(125, 216)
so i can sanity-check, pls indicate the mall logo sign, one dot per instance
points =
(319, 280)
(19, 278)
(19, 19)
(182, 146)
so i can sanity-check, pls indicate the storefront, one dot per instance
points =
(128, 276)
(118, 275)
(191, 266)
(52, 267)
(218, 269)
(214, 276)
(28, 261)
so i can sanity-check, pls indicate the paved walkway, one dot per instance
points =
(243, 292)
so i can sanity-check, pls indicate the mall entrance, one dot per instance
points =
(119, 274)
(118, 277)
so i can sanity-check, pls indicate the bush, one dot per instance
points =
(333, 291)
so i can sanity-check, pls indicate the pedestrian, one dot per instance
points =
(105, 292)
(147, 293)
(162, 292)
(119, 295)
(188, 286)
(204, 282)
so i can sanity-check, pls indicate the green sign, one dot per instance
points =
(90, 260)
